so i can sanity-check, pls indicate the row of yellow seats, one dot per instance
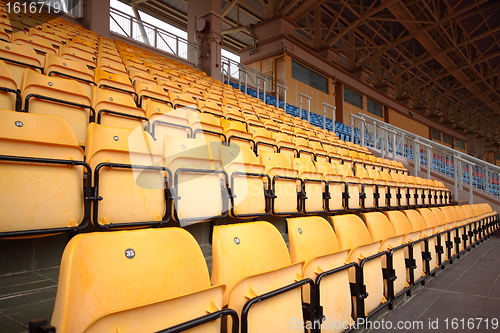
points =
(348, 267)
(129, 182)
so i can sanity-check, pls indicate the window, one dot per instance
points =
(436, 135)
(446, 139)
(497, 157)
(353, 98)
(374, 108)
(309, 77)
(460, 144)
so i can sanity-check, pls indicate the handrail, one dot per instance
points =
(157, 40)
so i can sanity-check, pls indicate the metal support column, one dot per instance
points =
(278, 86)
(416, 160)
(456, 175)
(308, 106)
(325, 105)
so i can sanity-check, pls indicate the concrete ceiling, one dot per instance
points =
(441, 57)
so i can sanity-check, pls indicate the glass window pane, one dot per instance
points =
(309, 77)
(353, 98)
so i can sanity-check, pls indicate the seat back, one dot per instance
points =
(21, 57)
(105, 274)
(38, 196)
(8, 100)
(137, 191)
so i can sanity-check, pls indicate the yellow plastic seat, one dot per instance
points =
(165, 121)
(38, 197)
(242, 261)
(285, 144)
(182, 100)
(313, 185)
(60, 97)
(75, 54)
(111, 66)
(210, 107)
(411, 235)
(117, 83)
(169, 86)
(369, 187)
(263, 140)
(434, 239)
(131, 196)
(147, 91)
(117, 110)
(236, 133)
(247, 181)
(71, 70)
(381, 230)
(40, 45)
(285, 183)
(336, 187)
(109, 282)
(352, 187)
(18, 58)
(403, 191)
(313, 242)
(196, 166)
(206, 126)
(353, 236)
(10, 99)
(54, 39)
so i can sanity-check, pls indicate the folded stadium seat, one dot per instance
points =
(136, 64)
(194, 92)
(42, 176)
(410, 224)
(336, 187)
(75, 54)
(314, 243)
(117, 110)
(369, 187)
(137, 75)
(344, 154)
(128, 173)
(10, 98)
(252, 119)
(182, 82)
(111, 66)
(90, 50)
(54, 96)
(319, 152)
(206, 126)
(249, 185)
(411, 188)
(403, 191)
(472, 233)
(117, 83)
(86, 40)
(353, 189)
(446, 222)
(299, 132)
(366, 161)
(285, 144)
(264, 142)
(211, 95)
(391, 188)
(435, 246)
(71, 70)
(353, 235)
(255, 281)
(18, 58)
(183, 100)
(356, 159)
(303, 148)
(460, 233)
(5, 28)
(285, 184)
(479, 228)
(54, 39)
(165, 121)
(236, 133)
(89, 299)
(374, 161)
(333, 156)
(150, 91)
(210, 107)
(199, 186)
(270, 125)
(40, 45)
(313, 186)
(169, 86)
(158, 74)
(382, 230)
